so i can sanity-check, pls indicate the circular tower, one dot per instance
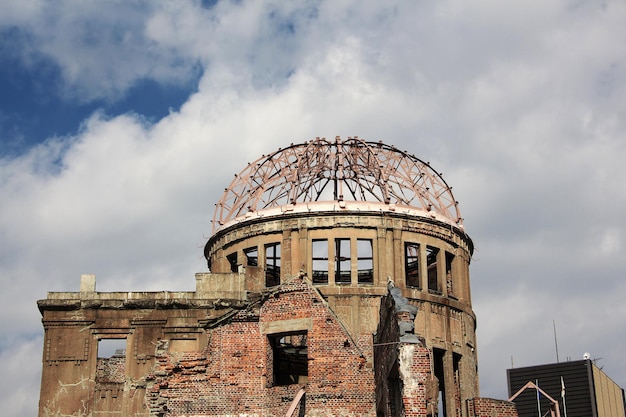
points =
(357, 217)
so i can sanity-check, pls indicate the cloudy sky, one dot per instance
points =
(121, 122)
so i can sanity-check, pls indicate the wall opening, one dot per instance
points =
(272, 264)
(252, 256)
(342, 261)
(438, 368)
(431, 269)
(108, 348)
(412, 265)
(320, 261)
(290, 358)
(365, 261)
(232, 261)
(111, 362)
(449, 276)
(394, 393)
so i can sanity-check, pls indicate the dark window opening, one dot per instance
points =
(394, 393)
(290, 357)
(449, 276)
(412, 264)
(431, 268)
(320, 261)
(438, 355)
(365, 261)
(232, 260)
(252, 256)
(342, 261)
(272, 264)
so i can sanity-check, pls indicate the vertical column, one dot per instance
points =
(396, 256)
(286, 267)
(381, 252)
(449, 389)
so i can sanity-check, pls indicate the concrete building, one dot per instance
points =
(580, 388)
(338, 286)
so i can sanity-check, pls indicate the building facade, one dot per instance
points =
(580, 388)
(338, 285)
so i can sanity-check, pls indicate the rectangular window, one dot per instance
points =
(365, 261)
(272, 264)
(431, 268)
(232, 260)
(412, 264)
(320, 261)
(111, 362)
(342, 261)
(252, 256)
(449, 278)
(290, 358)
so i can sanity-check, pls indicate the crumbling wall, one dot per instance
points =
(233, 375)
(488, 407)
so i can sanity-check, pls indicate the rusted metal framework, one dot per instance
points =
(339, 170)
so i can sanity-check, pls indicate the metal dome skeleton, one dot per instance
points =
(349, 170)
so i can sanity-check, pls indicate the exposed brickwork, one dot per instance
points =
(111, 370)
(233, 375)
(488, 407)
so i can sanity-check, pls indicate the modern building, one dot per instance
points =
(580, 388)
(338, 285)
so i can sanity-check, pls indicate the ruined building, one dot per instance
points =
(338, 286)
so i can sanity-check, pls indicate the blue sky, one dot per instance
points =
(121, 123)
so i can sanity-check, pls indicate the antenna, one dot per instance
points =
(556, 345)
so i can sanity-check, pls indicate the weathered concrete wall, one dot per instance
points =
(209, 352)
(183, 361)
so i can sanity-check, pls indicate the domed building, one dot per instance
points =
(338, 285)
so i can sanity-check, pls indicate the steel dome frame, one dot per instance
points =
(348, 170)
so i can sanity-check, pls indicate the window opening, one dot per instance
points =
(365, 261)
(272, 264)
(111, 362)
(232, 260)
(252, 256)
(438, 368)
(290, 357)
(342, 261)
(394, 393)
(320, 261)
(431, 268)
(449, 277)
(108, 348)
(412, 264)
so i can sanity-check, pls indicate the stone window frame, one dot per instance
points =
(289, 361)
(320, 276)
(365, 275)
(232, 261)
(353, 258)
(251, 260)
(432, 270)
(272, 263)
(412, 272)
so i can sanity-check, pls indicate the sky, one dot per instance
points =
(122, 122)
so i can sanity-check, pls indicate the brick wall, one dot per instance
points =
(233, 376)
(488, 407)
